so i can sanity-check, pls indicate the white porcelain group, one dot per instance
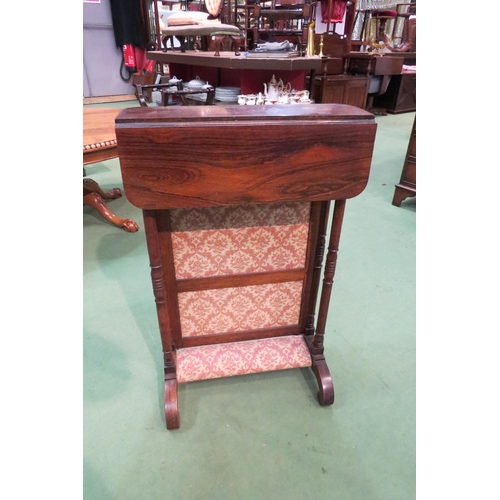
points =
(197, 84)
(174, 80)
(292, 97)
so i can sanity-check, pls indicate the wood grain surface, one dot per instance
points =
(237, 155)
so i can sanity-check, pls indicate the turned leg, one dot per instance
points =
(236, 45)
(316, 344)
(164, 321)
(318, 264)
(218, 43)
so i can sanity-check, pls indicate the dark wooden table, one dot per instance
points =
(236, 202)
(99, 144)
(247, 66)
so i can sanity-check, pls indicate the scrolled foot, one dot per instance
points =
(113, 194)
(171, 407)
(326, 394)
(130, 226)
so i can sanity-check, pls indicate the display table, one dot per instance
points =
(245, 72)
(236, 201)
(99, 144)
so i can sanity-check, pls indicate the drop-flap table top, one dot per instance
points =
(188, 156)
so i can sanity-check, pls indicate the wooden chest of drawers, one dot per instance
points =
(408, 183)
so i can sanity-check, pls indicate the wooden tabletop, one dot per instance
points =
(99, 139)
(230, 61)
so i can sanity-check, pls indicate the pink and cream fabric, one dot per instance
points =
(218, 241)
(225, 241)
(241, 358)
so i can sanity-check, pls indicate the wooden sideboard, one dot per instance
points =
(401, 94)
(377, 66)
(407, 186)
(342, 89)
(236, 203)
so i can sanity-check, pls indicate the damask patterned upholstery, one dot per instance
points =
(238, 240)
(218, 241)
(241, 358)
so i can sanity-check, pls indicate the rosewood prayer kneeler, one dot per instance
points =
(236, 202)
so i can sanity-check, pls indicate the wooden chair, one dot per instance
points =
(282, 19)
(374, 25)
(406, 12)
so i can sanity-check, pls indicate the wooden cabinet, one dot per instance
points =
(341, 89)
(408, 183)
(401, 94)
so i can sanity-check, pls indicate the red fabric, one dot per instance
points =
(384, 13)
(338, 11)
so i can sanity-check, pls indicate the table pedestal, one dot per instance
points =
(99, 144)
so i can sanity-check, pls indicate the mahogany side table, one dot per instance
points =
(236, 202)
(99, 144)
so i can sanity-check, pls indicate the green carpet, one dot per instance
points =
(260, 436)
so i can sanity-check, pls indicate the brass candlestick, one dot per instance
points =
(321, 46)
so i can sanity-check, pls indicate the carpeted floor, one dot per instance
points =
(260, 436)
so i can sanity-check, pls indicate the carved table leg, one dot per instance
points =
(94, 196)
(89, 185)
(319, 366)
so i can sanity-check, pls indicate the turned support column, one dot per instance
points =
(319, 367)
(318, 265)
(331, 262)
(158, 281)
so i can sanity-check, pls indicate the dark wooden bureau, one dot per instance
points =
(401, 94)
(407, 186)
